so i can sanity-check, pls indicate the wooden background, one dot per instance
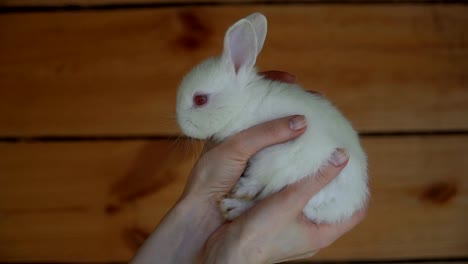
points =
(88, 163)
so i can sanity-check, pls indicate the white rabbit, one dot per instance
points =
(225, 95)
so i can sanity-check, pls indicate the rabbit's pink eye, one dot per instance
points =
(200, 99)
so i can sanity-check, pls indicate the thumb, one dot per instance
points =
(247, 143)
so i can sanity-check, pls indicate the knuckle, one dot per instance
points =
(295, 197)
(322, 177)
(272, 130)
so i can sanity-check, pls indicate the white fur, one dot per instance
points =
(239, 99)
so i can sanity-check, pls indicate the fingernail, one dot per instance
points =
(339, 157)
(297, 123)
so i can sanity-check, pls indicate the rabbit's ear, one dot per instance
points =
(240, 47)
(259, 23)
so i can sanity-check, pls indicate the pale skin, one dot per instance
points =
(274, 230)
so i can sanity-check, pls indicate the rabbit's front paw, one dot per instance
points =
(233, 207)
(246, 189)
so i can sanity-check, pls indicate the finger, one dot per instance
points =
(297, 195)
(279, 76)
(245, 144)
(329, 233)
(290, 201)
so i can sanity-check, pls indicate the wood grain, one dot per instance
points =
(389, 68)
(97, 201)
(87, 3)
(448, 261)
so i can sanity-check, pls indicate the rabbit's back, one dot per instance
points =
(327, 130)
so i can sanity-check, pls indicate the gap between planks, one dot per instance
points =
(142, 137)
(14, 6)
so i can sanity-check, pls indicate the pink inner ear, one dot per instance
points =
(242, 46)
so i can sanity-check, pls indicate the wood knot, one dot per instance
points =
(439, 192)
(112, 209)
(194, 32)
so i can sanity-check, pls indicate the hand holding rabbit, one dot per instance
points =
(273, 230)
(224, 95)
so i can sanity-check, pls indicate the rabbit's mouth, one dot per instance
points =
(190, 129)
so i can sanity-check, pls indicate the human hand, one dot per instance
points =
(275, 229)
(220, 167)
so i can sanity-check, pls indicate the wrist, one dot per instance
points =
(241, 247)
(203, 213)
(224, 246)
(181, 234)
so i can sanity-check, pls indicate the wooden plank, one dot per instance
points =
(98, 201)
(77, 201)
(421, 261)
(429, 262)
(394, 261)
(27, 3)
(87, 3)
(389, 68)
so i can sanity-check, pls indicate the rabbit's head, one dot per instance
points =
(214, 92)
